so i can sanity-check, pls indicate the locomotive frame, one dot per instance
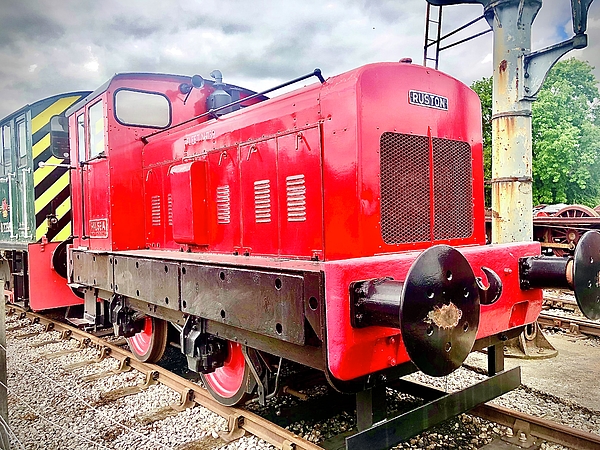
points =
(310, 227)
(340, 226)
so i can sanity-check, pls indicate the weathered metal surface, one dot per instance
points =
(511, 124)
(440, 310)
(518, 75)
(92, 269)
(154, 281)
(269, 303)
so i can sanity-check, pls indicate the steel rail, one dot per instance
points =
(240, 421)
(537, 427)
(572, 324)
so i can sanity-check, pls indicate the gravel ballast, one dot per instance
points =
(50, 407)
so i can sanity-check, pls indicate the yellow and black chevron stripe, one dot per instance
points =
(51, 184)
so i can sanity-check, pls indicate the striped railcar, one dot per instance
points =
(35, 209)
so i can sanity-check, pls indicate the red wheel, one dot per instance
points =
(229, 384)
(149, 344)
(568, 235)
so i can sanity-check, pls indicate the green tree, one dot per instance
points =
(483, 88)
(565, 132)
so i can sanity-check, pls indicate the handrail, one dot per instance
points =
(211, 112)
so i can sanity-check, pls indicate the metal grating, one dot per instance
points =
(262, 201)
(296, 198)
(404, 161)
(452, 189)
(223, 205)
(155, 214)
(406, 189)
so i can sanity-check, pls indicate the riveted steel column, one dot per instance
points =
(511, 121)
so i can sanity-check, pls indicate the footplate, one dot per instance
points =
(389, 432)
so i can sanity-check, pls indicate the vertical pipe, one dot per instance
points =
(439, 37)
(512, 202)
(12, 204)
(3, 392)
(426, 46)
(25, 204)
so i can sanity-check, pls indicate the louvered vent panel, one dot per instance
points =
(296, 198)
(223, 204)
(155, 205)
(170, 209)
(262, 201)
(405, 211)
(452, 189)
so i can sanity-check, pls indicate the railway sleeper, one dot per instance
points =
(115, 394)
(54, 355)
(124, 366)
(104, 353)
(186, 400)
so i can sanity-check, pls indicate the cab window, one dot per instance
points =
(21, 139)
(81, 137)
(6, 150)
(143, 109)
(96, 129)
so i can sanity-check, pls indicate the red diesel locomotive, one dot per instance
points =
(340, 226)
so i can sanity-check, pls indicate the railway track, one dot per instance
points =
(240, 421)
(572, 321)
(570, 324)
(525, 428)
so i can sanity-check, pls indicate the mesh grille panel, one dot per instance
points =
(405, 189)
(452, 189)
(405, 214)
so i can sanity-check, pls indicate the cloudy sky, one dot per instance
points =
(49, 47)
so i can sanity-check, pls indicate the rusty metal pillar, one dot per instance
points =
(512, 219)
(518, 77)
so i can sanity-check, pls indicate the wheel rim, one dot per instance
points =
(228, 380)
(141, 342)
(150, 343)
(577, 211)
(568, 235)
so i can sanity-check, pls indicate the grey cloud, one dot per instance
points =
(128, 26)
(47, 47)
(27, 24)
